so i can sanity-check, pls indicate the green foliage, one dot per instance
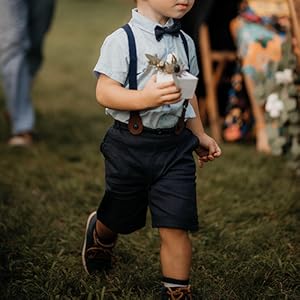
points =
(283, 130)
(248, 244)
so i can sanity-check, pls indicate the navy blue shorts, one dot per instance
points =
(153, 169)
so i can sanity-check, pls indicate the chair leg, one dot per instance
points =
(202, 111)
(211, 98)
(295, 26)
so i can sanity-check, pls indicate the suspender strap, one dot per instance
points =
(186, 47)
(135, 124)
(180, 124)
(132, 58)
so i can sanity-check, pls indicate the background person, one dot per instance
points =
(23, 25)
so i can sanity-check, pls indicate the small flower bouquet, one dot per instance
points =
(171, 70)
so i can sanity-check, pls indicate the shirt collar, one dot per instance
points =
(145, 23)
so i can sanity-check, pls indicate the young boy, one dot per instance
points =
(148, 156)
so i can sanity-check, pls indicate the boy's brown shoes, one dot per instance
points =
(95, 255)
(176, 293)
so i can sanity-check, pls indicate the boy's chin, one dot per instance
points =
(179, 15)
(176, 16)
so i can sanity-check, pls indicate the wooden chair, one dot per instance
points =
(213, 65)
(294, 8)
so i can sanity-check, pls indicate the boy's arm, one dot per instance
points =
(112, 94)
(209, 149)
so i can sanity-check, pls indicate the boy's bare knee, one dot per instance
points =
(168, 235)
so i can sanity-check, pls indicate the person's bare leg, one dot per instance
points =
(262, 143)
(175, 253)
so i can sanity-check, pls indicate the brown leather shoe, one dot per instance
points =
(95, 255)
(176, 293)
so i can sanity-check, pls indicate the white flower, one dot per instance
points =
(171, 58)
(284, 77)
(274, 105)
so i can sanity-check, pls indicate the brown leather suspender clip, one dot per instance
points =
(135, 124)
(181, 124)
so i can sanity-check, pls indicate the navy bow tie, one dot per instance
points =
(172, 30)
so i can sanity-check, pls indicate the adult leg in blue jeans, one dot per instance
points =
(20, 41)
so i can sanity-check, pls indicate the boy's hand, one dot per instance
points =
(208, 149)
(156, 94)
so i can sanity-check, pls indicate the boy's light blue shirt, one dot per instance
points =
(114, 63)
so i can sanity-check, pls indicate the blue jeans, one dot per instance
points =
(23, 24)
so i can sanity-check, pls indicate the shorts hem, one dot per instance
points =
(119, 229)
(192, 228)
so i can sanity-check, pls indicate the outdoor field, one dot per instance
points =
(248, 245)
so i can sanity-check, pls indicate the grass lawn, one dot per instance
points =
(248, 245)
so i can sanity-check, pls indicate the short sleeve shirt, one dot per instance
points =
(114, 63)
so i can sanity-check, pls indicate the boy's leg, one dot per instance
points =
(104, 234)
(123, 207)
(98, 244)
(173, 206)
(176, 258)
(175, 253)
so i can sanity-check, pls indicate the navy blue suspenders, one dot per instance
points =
(132, 58)
(135, 124)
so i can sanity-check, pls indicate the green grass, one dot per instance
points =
(248, 244)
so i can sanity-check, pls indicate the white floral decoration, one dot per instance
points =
(274, 105)
(171, 57)
(284, 77)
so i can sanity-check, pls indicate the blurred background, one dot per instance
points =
(248, 244)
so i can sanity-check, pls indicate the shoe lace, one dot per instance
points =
(100, 251)
(180, 293)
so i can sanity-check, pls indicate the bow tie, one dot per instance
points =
(172, 30)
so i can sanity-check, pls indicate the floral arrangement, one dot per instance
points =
(278, 94)
(170, 66)
(173, 70)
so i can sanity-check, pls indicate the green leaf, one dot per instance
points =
(284, 117)
(294, 117)
(290, 104)
(295, 149)
(294, 130)
(272, 132)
